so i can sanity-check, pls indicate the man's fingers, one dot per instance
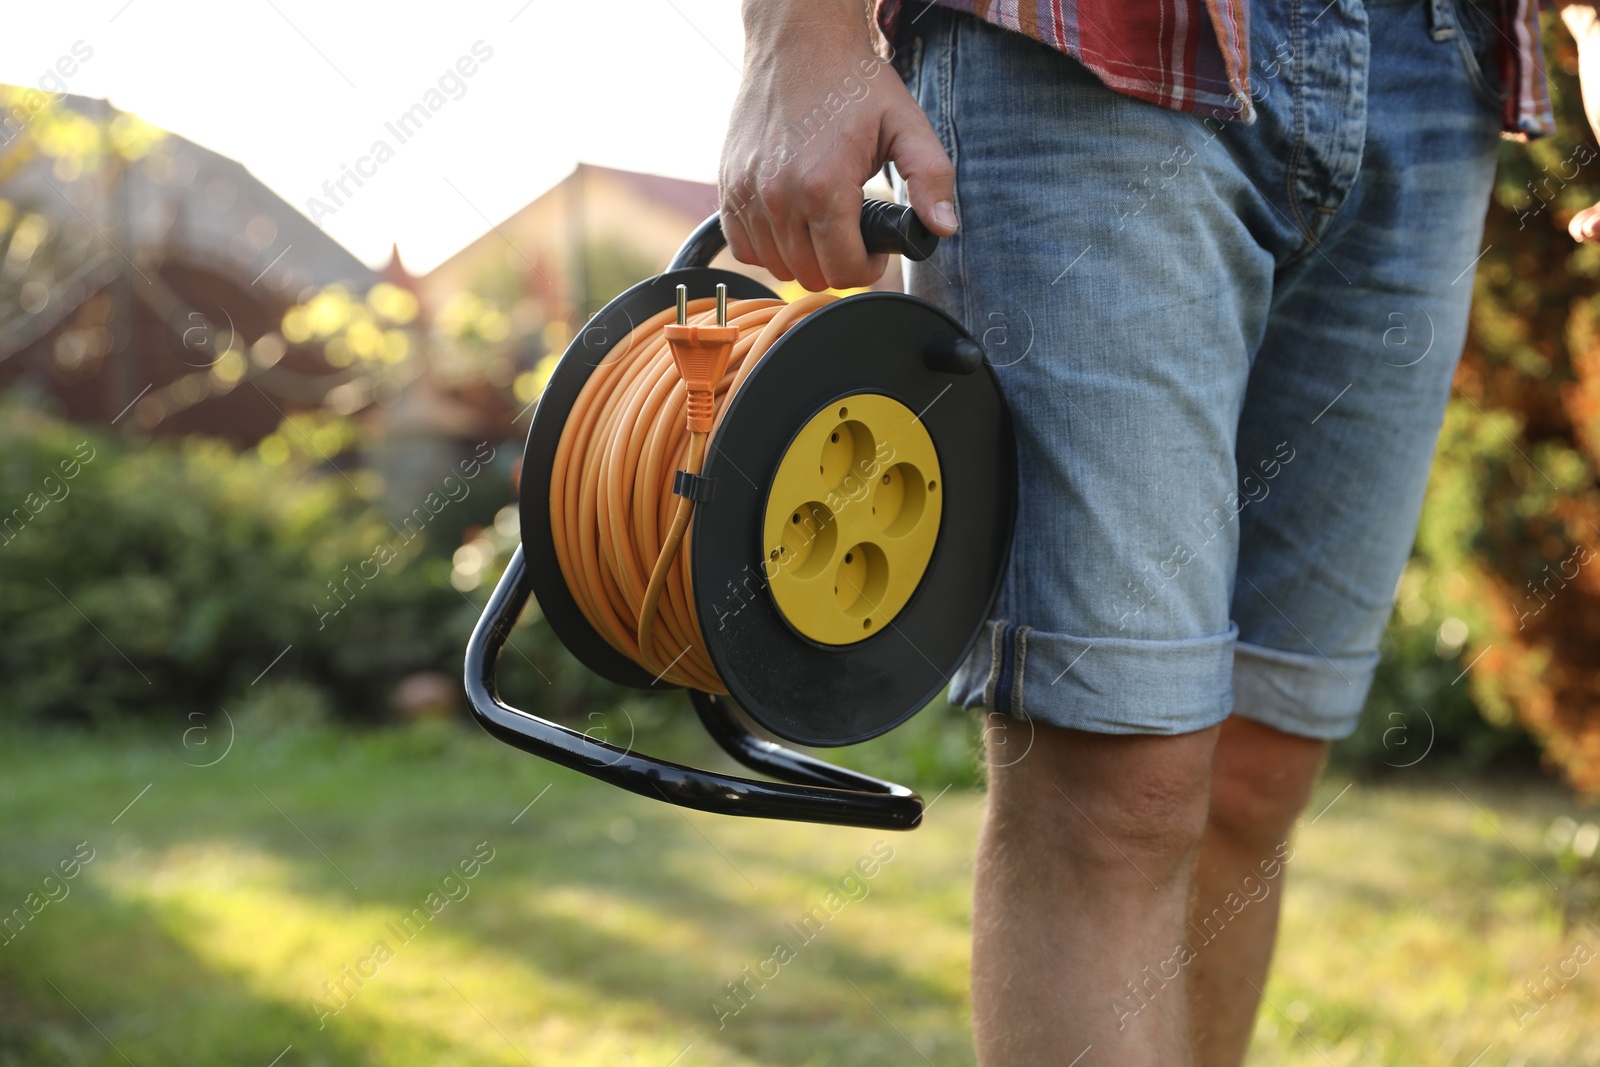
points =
(759, 231)
(794, 240)
(739, 242)
(920, 158)
(797, 212)
(1585, 225)
(841, 253)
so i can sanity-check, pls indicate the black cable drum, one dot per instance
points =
(826, 695)
(587, 351)
(879, 343)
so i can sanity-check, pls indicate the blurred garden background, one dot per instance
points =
(253, 493)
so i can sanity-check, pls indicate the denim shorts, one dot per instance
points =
(1227, 350)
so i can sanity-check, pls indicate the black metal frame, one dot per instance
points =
(821, 791)
(809, 789)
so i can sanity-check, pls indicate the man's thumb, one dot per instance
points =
(920, 158)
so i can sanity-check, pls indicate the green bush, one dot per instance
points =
(1421, 715)
(168, 578)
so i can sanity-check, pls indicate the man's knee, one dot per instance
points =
(1110, 803)
(1260, 782)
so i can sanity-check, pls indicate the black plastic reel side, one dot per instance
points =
(897, 346)
(596, 345)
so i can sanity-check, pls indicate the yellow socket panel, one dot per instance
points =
(852, 517)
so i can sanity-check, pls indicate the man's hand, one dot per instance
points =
(1585, 29)
(818, 114)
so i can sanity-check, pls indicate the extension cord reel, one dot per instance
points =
(850, 527)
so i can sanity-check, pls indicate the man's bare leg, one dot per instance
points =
(1260, 781)
(1083, 881)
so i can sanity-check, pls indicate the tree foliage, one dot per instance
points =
(1510, 540)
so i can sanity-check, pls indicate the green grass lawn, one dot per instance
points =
(605, 928)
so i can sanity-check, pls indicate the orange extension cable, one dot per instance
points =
(616, 523)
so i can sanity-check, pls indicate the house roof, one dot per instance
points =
(184, 202)
(695, 200)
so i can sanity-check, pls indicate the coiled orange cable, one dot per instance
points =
(613, 515)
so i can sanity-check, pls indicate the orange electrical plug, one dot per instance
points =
(701, 356)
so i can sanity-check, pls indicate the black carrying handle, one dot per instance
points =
(885, 227)
(821, 792)
(890, 227)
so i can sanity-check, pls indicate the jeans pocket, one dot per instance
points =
(906, 56)
(1481, 44)
(924, 57)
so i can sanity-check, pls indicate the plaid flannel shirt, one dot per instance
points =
(1194, 55)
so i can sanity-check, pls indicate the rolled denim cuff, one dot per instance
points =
(1311, 696)
(1102, 685)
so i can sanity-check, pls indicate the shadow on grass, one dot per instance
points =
(392, 815)
(101, 982)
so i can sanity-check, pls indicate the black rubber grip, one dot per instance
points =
(885, 227)
(890, 227)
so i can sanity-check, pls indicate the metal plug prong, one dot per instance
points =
(683, 305)
(722, 304)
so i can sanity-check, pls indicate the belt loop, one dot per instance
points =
(1441, 20)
